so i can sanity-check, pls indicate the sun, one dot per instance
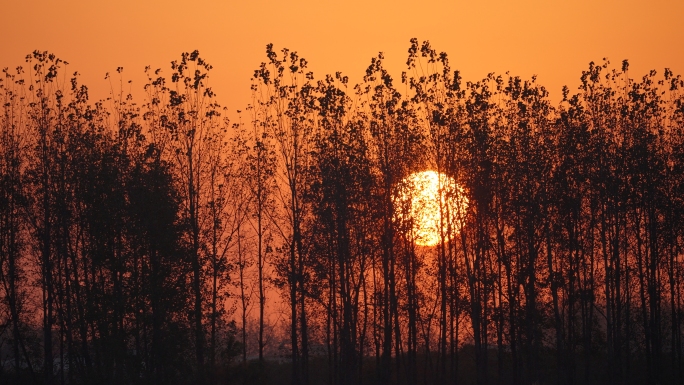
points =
(430, 204)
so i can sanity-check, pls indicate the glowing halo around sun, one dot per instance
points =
(418, 206)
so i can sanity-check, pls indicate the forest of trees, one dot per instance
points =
(148, 240)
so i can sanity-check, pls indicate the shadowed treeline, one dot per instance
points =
(154, 242)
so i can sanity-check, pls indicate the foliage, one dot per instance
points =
(158, 243)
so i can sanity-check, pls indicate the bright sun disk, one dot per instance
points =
(419, 198)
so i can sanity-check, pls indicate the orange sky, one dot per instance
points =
(554, 39)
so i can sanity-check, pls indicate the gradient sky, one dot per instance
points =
(553, 39)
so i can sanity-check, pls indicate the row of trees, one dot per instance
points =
(137, 238)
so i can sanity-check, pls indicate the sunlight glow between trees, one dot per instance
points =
(433, 205)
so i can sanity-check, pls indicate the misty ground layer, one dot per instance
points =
(153, 241)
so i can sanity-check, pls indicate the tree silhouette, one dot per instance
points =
(136, 237)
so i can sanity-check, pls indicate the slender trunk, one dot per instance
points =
(297, 238)
(387, 257)
(196, 268)
(243, 300)
(46, 260)
(555, 277)
(260, 271)
(214, 279)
